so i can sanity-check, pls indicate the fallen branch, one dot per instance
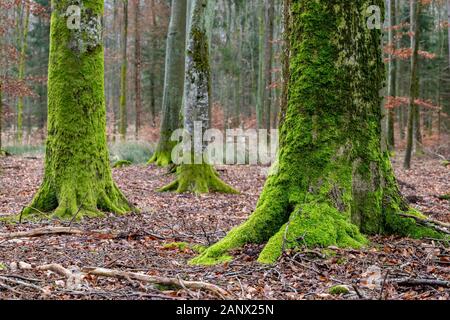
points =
(421, 282)
(75, 278)
(196, 285)
(25, 284)
(41, 232)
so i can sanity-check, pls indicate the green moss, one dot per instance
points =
(445, 197)
(77, 177)
(122, 163)
(313, 225)
(161, 158)
(182, 246)
(197, 178)
(333, 180)
(338, 290)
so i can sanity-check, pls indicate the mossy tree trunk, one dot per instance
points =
(333, 180)
(173, 83)
(197, 176)
(22, 63)
(77, 179)
(123, 124)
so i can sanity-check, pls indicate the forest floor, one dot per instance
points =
(386, 269)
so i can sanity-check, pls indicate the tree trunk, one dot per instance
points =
(268, 56)
(391, 77)
(77, 179)
(123, 77)
(448, 28)
(137, 68)
(195, 175)
(22, 62)
(173, 83)
(332, 179)
(1, 114)
(414, 83)
(261, 77)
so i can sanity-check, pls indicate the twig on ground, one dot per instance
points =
(422, 282)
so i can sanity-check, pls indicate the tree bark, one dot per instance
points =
(333, 180)
(268, 56)
(261, 76)
(77, 179)
(123, 77)
(391, 76)
(196, 175)
(22, 62)
(137, 68)
(173, 83)
(414, 83)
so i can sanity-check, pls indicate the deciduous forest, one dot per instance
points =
(225, 149)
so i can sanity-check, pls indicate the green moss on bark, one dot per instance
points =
(334, 179)
(197, 178)
(77, 178)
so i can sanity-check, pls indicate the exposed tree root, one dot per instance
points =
(102, 272)
(70, 203)
(197, 178)
(161, 158)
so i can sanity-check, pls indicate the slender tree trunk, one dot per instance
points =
(123, 76)
(414, 82)
(333, 180)
(22, 62)
(448, 20)
(194, 174)
(391, 76)
(268, 61)
(261, 76)
(77, 179)
(173, 83)
(137, 68)
(1, 114)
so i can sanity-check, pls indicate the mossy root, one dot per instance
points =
(198, 178)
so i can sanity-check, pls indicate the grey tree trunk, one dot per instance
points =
(173, 82)
(194, 175)
(123, 77)
(391, 76)
(414, 86)
(137, 68)
(268, 61)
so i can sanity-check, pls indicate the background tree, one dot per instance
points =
(413, 122)
(123, 76)
(333, 179)
(193, 176)
(77, 178)
(173, 83)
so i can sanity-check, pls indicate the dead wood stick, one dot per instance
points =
(22, 283)
(421, 282)
(196, 285)
(56, 268)
(41, 232)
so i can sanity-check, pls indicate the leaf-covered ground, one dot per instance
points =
(384, 270)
